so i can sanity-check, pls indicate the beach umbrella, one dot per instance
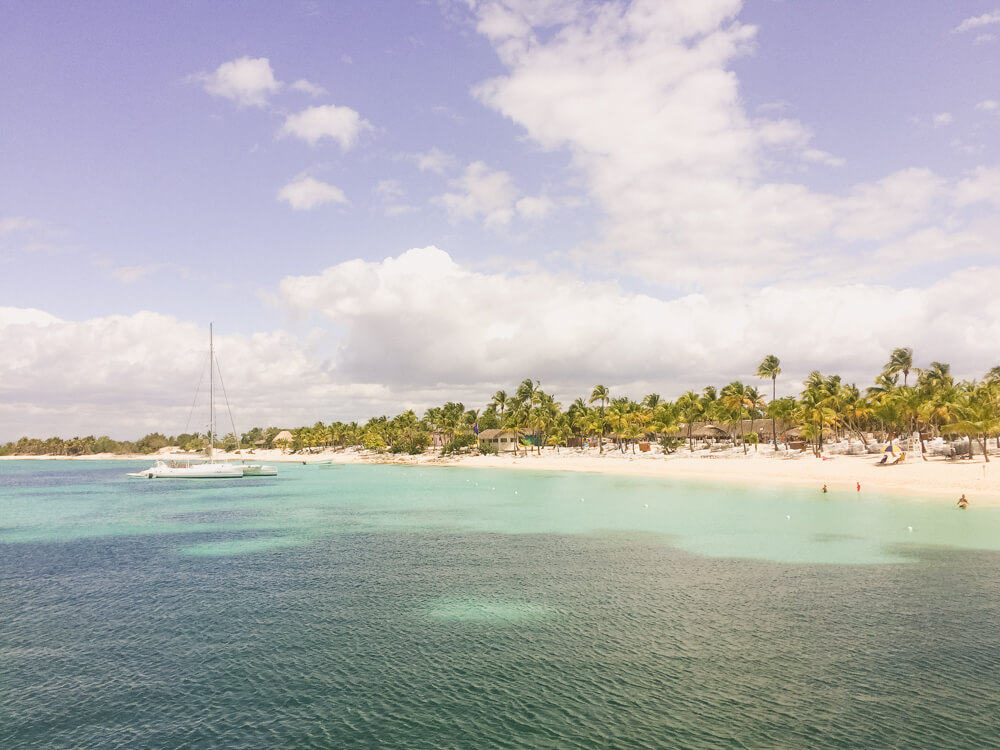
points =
(892, 449)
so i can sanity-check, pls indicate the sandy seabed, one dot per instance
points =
(936, 478)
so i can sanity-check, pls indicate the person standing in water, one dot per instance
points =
(962, 502)
(824, 489)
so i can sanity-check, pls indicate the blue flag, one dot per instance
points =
(475, 428)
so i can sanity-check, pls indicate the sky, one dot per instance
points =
(389, 205)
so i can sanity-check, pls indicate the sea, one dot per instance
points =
(387, 606)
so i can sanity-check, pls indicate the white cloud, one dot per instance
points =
(643, 99)
(822, 157)
(308, 87)
(434, 160)
(941, 119)
(535, 207)
(976, 22)
(130, 274)
(247, 81)
(389, 190)
(983, 39)
(982, 186)
(305, 193)
(311, 125)
(481, 193)
(894, 204)
(419, 329)
(988, 105)
(396, 329)
(10, 224)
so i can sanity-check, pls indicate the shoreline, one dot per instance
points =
(936, 478)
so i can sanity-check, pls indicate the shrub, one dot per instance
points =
(670, 443)
(459, 443)
(373, 441)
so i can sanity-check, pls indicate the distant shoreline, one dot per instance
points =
(934, 479)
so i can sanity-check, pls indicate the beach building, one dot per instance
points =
(505, 440)
(283, 440)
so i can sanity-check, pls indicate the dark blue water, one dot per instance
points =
(387, 606)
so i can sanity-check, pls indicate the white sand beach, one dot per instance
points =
(935, 479)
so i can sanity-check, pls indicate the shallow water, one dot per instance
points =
(431, 607)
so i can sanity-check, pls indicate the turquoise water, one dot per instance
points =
(429, 607)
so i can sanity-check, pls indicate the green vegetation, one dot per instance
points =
(935, 404)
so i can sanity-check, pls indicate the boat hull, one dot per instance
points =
(259, 470)
(163, 470)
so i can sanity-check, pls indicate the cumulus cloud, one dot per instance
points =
(481, 194)
(894, 204)
(247, 81)
(988, 105)
(976, 22)
(535, 207)
(435, 160)
(982, 186)
(398, 329)
(308, 87)
(305, 193)
(142, 372)
(415, 330)
(642, 97)
(341, 124)
(941, 119)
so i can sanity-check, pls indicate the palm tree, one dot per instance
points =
(978, 415)
(691, 408)
(500, 401)
(901, 360)
(815, 407)
(603, 394)
(578, 415)
(755, 406)
(734, 398)
(770, 367)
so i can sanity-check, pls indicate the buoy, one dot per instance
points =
(788, 517)
(909, 528)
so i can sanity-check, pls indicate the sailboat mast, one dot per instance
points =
(211, 392)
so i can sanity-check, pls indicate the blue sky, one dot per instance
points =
(386, 205)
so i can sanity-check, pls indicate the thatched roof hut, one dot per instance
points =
(704, 430)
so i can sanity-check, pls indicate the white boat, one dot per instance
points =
(259, 470)
(205, 468)
(187, 468)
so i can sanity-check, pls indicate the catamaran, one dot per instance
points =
(207, 467)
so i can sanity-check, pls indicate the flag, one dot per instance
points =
(475, 428)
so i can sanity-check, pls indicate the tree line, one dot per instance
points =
(827, 408)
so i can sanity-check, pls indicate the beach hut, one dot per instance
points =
(708, 431)
(506, 440)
